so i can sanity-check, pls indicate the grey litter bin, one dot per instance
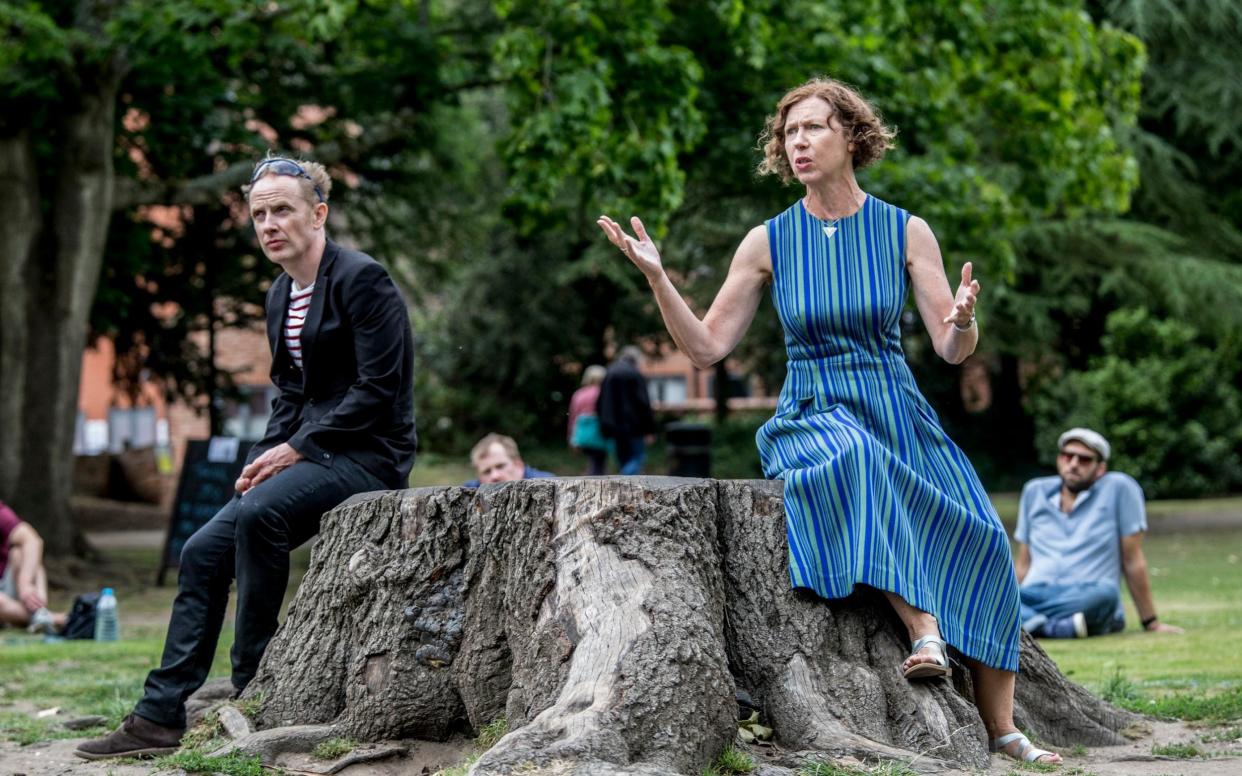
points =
(689, 449)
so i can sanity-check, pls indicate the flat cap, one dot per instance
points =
(1090, 438)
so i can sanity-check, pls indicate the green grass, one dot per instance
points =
(730, 761)
(207, 735)
(196, 762)
(333, 748)
(488, 735)
(88, 677)
(1007, 507)
(1180, 751)
(461, 768)
(1196, 577)
(1197, 584)
(1224, 735)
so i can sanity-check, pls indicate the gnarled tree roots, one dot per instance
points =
(609, 621)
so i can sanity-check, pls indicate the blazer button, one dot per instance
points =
(327, 455)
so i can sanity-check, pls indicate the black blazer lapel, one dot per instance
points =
(314, 315)
(276, 314)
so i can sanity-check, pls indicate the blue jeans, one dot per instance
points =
(250, 539)
(1099, 602)
(631, 452)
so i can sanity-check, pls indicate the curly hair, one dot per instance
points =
(318, 177)
(863, 125)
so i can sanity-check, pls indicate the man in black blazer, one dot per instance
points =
(342, 423)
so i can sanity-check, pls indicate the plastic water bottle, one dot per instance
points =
(107, 626)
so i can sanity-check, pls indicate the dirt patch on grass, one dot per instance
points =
(1220, 754)
(56, 758)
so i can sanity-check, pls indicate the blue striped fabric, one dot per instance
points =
(875, 491)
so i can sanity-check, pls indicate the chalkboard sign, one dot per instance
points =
(208, 472)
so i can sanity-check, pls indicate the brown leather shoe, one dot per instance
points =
(136, 737)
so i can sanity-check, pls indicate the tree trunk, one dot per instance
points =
(608, 620)
(61, 294)
(18, 231)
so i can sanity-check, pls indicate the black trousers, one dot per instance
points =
(250, 539)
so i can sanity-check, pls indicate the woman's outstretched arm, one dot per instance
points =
(708, 340)
(949, 318)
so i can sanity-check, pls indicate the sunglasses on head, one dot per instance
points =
(1086, 458)
(283, 166)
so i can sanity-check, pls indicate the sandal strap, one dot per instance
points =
(931, 640)
(1027, 752)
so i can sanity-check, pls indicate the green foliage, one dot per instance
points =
(1008, 116)
(232, 764)
(333, 748)
(1167, 401)
(475, 143)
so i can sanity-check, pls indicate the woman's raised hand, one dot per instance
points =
(641, 251)
(964, 301)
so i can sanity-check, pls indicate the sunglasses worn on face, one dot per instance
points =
(1086, 459)
(282, 166)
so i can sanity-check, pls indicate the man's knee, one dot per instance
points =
(261, 518)
(209, 548)
(199, 554)
(1100, 603)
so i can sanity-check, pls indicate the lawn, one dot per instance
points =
(1197, 583)
(1197, 580)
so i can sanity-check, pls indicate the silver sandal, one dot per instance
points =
(938, 667)
(1027, 752)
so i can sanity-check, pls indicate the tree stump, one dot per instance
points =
(609, 620)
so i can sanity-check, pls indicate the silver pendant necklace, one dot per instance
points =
(831, 228)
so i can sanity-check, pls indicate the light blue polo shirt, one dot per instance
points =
(1085, 544)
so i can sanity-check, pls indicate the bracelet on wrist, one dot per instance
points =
(968, 326)
(1147, 622)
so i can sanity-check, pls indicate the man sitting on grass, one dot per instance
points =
(1077, 532)
(23, 582)
(496, 459)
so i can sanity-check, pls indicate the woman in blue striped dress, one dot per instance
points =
(875, 492)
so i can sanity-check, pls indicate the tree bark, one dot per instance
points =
(61, 293)
(608, 620)
(19, 229)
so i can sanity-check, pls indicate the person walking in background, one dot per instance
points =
(876, 493)
(1077, 533)
(585, 434)
(625, 410)
(342, 423)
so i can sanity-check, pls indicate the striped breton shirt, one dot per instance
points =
(299, 303)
